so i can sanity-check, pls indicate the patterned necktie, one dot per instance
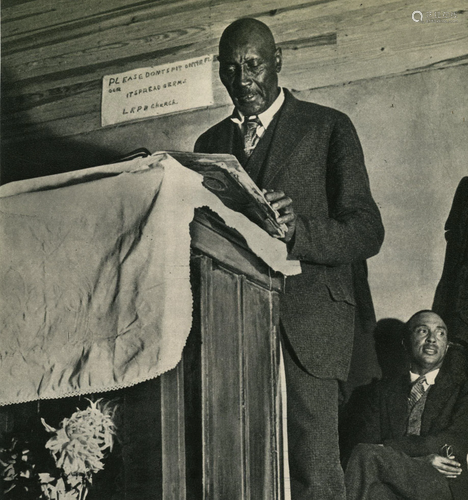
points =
(417, 390)
(250, 134)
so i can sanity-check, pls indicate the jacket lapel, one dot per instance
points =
(224, 140)
(437, 399)
(291, 128)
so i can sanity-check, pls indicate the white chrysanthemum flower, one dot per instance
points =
(79, 444)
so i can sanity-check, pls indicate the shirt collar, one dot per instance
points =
(430, 376)
(266, 117)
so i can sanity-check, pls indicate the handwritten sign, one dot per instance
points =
(158, 90)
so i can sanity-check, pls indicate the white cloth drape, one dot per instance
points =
(94, 272)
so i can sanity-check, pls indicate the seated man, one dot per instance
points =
(413, 429)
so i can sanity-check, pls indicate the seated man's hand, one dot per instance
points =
(279, 201)
(449, 467)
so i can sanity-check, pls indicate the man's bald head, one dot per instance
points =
(249, 63)
(248, 28)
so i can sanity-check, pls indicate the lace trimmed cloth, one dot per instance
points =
(94, 271)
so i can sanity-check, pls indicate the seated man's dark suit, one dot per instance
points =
(313, 154)
(392, 471)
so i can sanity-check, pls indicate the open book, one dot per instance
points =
(224, 176)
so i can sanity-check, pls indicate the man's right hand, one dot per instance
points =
(449, 467)
(279, 201)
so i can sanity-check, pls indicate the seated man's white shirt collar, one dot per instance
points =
(265, 118)
(430, 378)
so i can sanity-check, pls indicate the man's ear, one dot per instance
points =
(403, 343)
(278, 59)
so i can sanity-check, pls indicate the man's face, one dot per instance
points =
(427, 341)
(249, 70)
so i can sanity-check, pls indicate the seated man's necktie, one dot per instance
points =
(417, 391)
(251, 137)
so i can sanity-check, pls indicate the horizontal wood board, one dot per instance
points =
(55, 53)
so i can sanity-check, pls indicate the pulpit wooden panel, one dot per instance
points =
(235, 338)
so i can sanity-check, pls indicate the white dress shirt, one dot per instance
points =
(430, 378)
(265, 118)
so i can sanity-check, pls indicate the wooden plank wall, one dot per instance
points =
(55, 52)
(404, 85)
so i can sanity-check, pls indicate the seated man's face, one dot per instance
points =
(427, 343)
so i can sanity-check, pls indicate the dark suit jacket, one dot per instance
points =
(381, 419)
(451, 298)
(315, 157)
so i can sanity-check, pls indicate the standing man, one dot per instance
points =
(451, 297)
(309, 161)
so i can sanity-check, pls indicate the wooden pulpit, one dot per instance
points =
(220, 415)
(210, 428)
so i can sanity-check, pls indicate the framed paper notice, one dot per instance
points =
(158, 90)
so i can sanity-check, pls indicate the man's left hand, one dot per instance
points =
(280, 202)
(449, 467)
